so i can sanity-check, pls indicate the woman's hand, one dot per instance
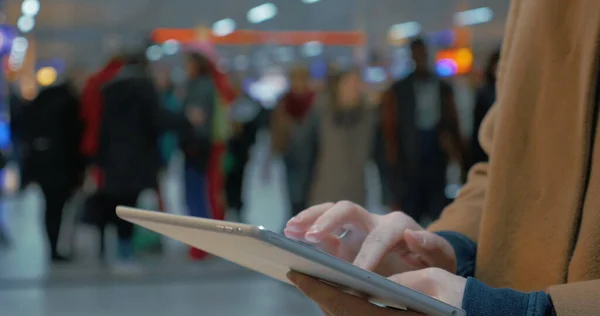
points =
(437, 283)
(386, 244)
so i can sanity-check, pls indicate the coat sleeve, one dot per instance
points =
(576, 299)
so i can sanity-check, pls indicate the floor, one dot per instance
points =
(170, 285)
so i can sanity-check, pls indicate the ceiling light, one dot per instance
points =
(30, 7)
(312, 49)
(310, 1)
(223, 27)
(25, 23)
(473, 17)
(261, 13)
(405, 30)
(170, 47)
(20, 44)
(154, 53)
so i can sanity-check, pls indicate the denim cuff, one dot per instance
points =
(482, 300)
(465, 250)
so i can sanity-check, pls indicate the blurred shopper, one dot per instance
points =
(245, 115)
(199, 105)
(485, 98)
(208, 96)
(522, 238)
(4, 239)
(51, 131)
(169, 141)
(421, 128)
(290, 134)
(343, 129)
(91, 113)
(129, 154)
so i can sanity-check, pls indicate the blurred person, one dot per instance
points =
(484, 99)
(208, 94)
(422, 134)
(128, 152)
(343, 129)
(246, 116)
(91, 112)
(290, 134)
(50, 132)
(522, 236)
(4, 239)
(169, 141)
(16, 105)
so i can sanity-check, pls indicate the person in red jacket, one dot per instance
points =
(91, 111)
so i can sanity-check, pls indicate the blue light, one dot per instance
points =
(5, 139)
(446, 67)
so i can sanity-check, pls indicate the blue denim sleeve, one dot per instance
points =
(466, 252)
(482, 300)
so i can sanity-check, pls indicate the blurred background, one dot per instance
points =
(294, 87)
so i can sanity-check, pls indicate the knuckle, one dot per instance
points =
(396, 215)
(346, 205)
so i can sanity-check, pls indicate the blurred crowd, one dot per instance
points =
(114, 137)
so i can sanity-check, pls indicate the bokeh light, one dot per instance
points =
(30, 8)
(223, 27)
(25, 23)
(446, 67)
(262, 13)
(171, 47)
(46, 76)
(154, 53)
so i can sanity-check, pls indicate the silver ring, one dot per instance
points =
(343, 234)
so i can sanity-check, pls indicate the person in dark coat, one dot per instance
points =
(421, 129)
(246, 115)
(486, 96)
(129, 153)
(50, 133)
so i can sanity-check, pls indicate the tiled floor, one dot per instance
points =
(170, 285)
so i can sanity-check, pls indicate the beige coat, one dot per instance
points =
(534, 210)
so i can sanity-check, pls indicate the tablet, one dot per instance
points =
(275, 255)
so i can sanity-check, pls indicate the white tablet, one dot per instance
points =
(275, 255)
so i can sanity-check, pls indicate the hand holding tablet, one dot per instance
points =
(275, 255)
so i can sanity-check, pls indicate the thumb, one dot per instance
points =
(432, 249)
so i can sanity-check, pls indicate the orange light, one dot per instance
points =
(251, 37)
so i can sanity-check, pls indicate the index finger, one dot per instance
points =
(388, 235)
(341, 214)
(307, 218)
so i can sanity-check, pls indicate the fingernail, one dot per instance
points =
(296, 218)
(315, 229)
(422, 239)
(312, 239)
(418, 236)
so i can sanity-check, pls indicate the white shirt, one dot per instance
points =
(428, 106)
